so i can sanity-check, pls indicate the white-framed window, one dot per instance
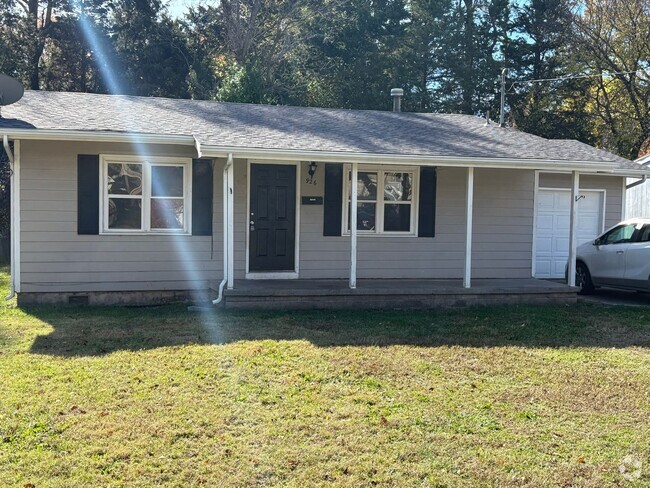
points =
(386, 200)
(145, 195)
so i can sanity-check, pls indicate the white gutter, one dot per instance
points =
(226, 228)
(100, 136)
(14, 207)
(410, 159)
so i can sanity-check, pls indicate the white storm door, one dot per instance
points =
(552, 230)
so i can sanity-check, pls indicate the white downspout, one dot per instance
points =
(226, 228)
(637, 182)
(641, 181)
(12, 218)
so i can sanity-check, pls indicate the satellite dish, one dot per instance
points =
(10, 90)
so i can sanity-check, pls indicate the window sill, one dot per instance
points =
(382, 235)
(140, 233)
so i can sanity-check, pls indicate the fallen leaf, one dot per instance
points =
(103, 414)
(383, 420)
(581, 459)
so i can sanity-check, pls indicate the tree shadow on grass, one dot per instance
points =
(98, 331)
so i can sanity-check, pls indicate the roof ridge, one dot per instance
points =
(261, 105)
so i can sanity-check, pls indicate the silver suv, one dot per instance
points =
(620, 258)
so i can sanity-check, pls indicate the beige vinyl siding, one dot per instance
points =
(503, 223)
(502, 238)
(54, 258)
(613, 186)
(241, 216)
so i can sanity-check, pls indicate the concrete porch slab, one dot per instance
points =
(392, 294)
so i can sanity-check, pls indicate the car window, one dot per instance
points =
(645, 234)
(618, 235)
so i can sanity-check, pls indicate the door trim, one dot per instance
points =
(535, 199)
(273, 275)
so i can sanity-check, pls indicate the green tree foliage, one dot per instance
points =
(446, 54)
(150, 47)
(357, 55)
(613, 36)
(540, 49)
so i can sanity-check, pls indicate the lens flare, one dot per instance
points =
(191, 269)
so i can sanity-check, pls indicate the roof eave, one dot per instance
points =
(323, 156)
(405, 159)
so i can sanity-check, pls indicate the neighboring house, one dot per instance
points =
(638, 195)
(120, 194)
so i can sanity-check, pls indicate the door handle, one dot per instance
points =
(620, 252)
(252, 225)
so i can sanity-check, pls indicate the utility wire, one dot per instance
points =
(575, 77)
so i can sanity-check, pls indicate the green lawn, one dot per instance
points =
(512, 396)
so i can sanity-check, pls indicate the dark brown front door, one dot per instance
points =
(272, 219)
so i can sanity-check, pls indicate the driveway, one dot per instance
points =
(607, 296)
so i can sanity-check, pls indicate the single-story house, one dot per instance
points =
(124, 199)
(638, 194)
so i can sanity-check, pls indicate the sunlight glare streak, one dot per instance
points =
(109, 74)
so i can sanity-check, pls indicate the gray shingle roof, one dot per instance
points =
(294, 128)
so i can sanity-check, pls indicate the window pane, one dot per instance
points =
(398, 186)
(397, 218)
(366, 186)
(366, 216)
(166, 181)
(124, 213)
(645, 234)
(619, 235)
(166, 214)
(124, 179)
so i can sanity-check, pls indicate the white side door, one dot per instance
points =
(552, 228)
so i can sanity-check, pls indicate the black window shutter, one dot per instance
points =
(427, 202)
(202, 187)
(88, 194)
(333, 201)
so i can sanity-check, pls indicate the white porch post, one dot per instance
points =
(573, 243)
(230, 197)
(353, 226)
(467, 279)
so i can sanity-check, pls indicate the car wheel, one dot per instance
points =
(583, 279)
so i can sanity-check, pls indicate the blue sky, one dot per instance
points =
(178, 7)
